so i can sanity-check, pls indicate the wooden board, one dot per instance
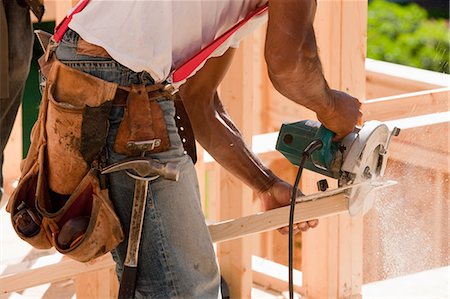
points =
(270, 220)
(51, 271)
(407, 105)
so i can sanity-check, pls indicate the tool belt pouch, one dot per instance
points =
(143, 128)
(58, 195)
(86, 226)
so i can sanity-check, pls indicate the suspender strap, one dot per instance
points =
(64, 25)
(194, 62)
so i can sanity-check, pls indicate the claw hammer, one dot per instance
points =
(143, 170)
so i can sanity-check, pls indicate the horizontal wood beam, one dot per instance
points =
(407, 105)
(273, 276)
(408, 75)
(55, 268)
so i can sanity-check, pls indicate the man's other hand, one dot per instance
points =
(344, 113)
(279, 195)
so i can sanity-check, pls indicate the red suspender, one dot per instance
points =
(64, 25)
(194, 62)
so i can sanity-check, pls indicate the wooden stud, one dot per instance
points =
(97, 284)
(61, 9)
(338, 256)
(13, 155)
(236, 198)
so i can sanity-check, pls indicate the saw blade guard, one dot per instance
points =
(364, 161)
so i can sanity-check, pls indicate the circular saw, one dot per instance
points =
(356, 162)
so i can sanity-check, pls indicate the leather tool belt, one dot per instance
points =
(60, 200)
(143, 107)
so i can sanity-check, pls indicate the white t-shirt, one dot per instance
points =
(158, 36)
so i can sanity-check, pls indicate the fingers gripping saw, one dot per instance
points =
(143, 170)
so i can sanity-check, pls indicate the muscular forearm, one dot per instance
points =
(219, 136)
(214, 129)
(291, 54)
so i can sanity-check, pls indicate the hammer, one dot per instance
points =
(142, 170)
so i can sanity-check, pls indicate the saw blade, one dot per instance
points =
(365, 161)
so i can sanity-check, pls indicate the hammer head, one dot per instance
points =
(146, 167)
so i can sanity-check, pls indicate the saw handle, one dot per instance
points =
(128, 282)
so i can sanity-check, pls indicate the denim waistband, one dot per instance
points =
(66, 52)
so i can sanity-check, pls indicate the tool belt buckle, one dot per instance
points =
(170, 91)
(144, 146)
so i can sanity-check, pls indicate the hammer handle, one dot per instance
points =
(128, 283)
(129, 274)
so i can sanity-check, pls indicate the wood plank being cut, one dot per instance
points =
(273, 219)
(318, 205)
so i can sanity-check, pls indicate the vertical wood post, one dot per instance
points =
(98, 284)
(332, 253)
(235, 197)
(13, 154)
(61, 9)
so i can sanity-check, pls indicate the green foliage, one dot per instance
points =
(405, 35)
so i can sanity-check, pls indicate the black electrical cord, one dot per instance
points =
(312, 147)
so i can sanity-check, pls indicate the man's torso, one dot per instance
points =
(158, 36)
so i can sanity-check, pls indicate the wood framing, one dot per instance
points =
(408, 105)
(235, 199)
(388, 79)
(332, 253)
(50, 269)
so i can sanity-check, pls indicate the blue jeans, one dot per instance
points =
(176, 256)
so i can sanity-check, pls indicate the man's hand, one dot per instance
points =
(343, 114)
(279, 195)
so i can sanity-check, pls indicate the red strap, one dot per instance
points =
(194, 62)
(62, 27)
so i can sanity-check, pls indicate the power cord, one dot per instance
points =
(312, 147)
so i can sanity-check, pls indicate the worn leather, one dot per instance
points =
(185, 130)
(69, 92)
(85, 48)
(103, 232)
(54, 140)
(143, 120)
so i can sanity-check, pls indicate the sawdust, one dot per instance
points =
(407, 229)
